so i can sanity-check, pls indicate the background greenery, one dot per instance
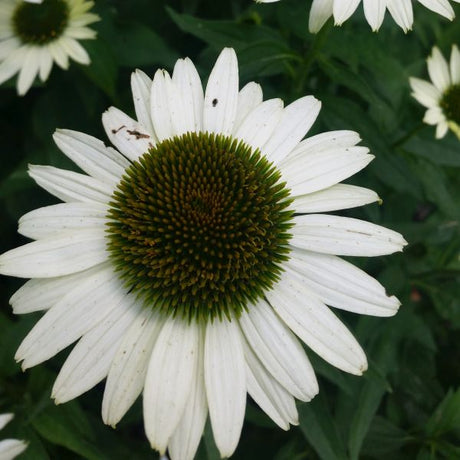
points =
(408, 403)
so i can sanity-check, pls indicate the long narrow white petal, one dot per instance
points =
(28, 71)
(171, 371)
(221, 96)
(42, 293)
(279, 351)
(224, 373)
(5, 419)
(438, 70)
(442, 7)
(339, 196)
(425, 93)
(374, 10)
(167, 108)
(316, 325)
(344, 236)
(188, 82)
(91, 155)
(130, 137)
(60, 255)
(140, 87)
(76, 313)
(454, 65)
(70, 186)
(297, 119)
(53, 220)
(186, 438)
(126, 376)
(272, 398)
(342, 285)
(343, 9)
(402, 13)
(90, 359)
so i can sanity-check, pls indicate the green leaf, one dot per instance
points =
(446, 416)
(67, 426)
(318, 426)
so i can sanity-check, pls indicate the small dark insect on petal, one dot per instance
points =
(214, 102)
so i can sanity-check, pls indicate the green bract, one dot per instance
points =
(199, 226)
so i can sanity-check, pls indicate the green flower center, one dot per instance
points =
(40, 23)
(450, 103)
(199, 226)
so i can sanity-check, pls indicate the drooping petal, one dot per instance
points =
(316, 325)
(279, 351)
(374, 10)
(140, 87)
(172, 369)
(320, 12)
(224, 373)
(186, 437)
(442, 7)
(126, 375)
(343, 9)
(401, 11)
(75, 314)
(90, 359)
(272, 397)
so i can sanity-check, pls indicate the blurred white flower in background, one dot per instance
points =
(33, 36)
(10, 448)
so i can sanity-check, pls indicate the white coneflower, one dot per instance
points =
(374, 10)
(33, 36)
(188, 260)
(10, 448)
(442, 96)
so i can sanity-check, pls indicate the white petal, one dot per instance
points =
(42, 293)
(316, 325)
(92, 156)
(441, 7)
(438, 70)
(130, 137)
(455, 65)
(317, 171)
(70, 186)
(249, 97)
(171, 371)
(343, 9)
(425, 93)
(167, 108)
(402, 13)
(295, 122)
(221, 96)
(126, 376)
(5, 419)
(53, 220)
(74, 50)
(279, 351)
(342, 285)
(374, 10)
(260, 123)
(434, 115)
(441, 129)
(46, 64)
(11, 448)
(67, 253)
(224, 373)
(140, 87)
(272, 398)
(90, 359)
(187, 80)
(344, 236)
(339, 196)
(186, 438)
(320, 12)
(12, 64)
(75, 314)
(28, 71)
(59, 54)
